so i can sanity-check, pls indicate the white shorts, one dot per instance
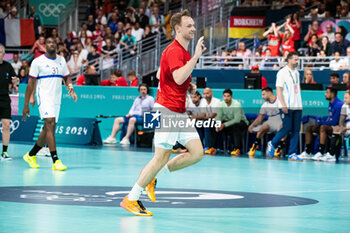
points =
(275, 126)
(48, 110)
(166, 138)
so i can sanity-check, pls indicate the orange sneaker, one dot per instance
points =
(252, 151)
(210, 151)
(278, 152)
(236, 153)
(150, 189)
(135, 207)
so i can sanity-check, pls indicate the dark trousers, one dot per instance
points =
(291, 124)
(237, 130)
(209, 137)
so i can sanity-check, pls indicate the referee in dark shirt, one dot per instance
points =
(6, 74)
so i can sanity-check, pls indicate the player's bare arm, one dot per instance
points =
(29, 92)
(180, 75)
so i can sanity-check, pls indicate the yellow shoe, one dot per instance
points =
(236, 153)
(252, 151)
(58, 166)
(210, 151)
(31, 160)
(278, 152)
(135, 207)
(150, 190)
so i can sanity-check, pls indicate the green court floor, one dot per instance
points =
(219, 194)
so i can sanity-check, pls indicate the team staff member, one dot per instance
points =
(290, 104)
(6, 74)
(176, 66)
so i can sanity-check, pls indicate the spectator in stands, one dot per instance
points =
(93, 56)
(255, 70)
(312, 15)
(135, 116)
(295, 24)
(143, 19)
(101, 18)
(36, 20)
(337, 63)
(196, 111)
(84, 27)
(73, 63)
(321, 11)
(113, 23)
(326, 46)
(91, 24)
(313, 29)
(287, 37)
(129, 42)
(272, 125)
(157, 21)
(344, 12)
(334, 78)
(25, 66)
(243, 51)
(16, 64)
(342, 31)
(233, 121)
(130, 16)
(323, 126)
(143, 5)
(338, 11)
(340, 44)
(120, 33)
(22, 76)
(137, 32)
(89, 70)
(83, 38)
(38, 48)
(274, 41)
(346, 80)
(83, 53)
(269, 62)
(97, 31)
(132, 78)
(13, 14)
(69, 39)
(54, 33)
(313, 47)
(322, 63)
(346, 59)
(211, 107)
(329, 33)
(108, 51)
(308, 76)
(234, 61)
(88, 44)
(116, 79)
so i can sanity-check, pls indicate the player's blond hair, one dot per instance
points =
(176, 18)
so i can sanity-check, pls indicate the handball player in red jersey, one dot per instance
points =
(174, 74)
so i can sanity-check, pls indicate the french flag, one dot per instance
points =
(17, 32)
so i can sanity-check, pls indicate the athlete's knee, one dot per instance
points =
(197, 155)
(6, 125)
(132, 120)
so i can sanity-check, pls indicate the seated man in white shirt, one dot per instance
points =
(142, 103)
(273, 123)
(196, 110)
(337, 63)
(211, 105)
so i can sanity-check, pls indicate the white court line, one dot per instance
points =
(313, 191)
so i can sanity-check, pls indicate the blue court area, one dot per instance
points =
(219, 194)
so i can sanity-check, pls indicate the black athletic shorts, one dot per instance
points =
(5, 107)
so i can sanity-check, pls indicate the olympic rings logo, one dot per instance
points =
(51, 9)
(13, 126)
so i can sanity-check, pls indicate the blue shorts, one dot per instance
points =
(139, 119)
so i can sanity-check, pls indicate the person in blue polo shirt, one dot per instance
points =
(323, 126)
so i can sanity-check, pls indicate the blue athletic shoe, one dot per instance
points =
(205, 149)
(294, 157)
(271, 149)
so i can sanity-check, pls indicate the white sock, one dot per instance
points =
(135, 193)
(165, 170)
